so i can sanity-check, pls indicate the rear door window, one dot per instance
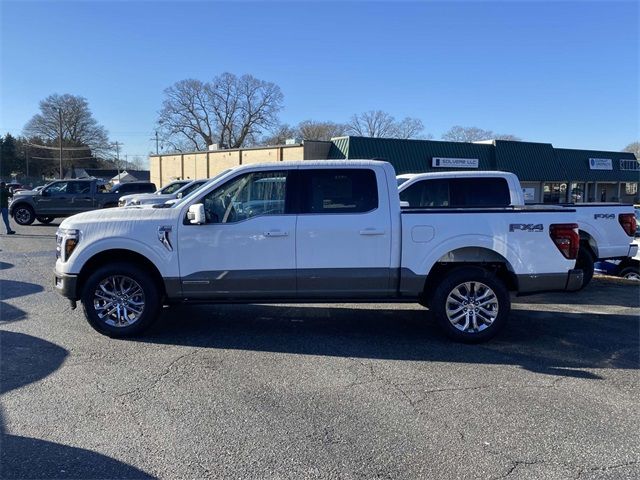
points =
(337, 191)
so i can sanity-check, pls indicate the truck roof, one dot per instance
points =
(449, 174)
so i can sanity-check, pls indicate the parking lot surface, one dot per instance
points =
(314, 391)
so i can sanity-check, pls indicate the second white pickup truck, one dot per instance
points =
(606, 229)
(313, 231)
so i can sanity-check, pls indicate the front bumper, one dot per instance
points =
(66, 285)
(550, 282)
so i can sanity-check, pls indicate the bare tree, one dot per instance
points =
(315, 130)
(231, 111)
(377, 123)
(633, 148)
(411, 128)
(79, 128)
(458, 133)
(280, 135)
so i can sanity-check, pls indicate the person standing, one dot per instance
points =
(5, 194)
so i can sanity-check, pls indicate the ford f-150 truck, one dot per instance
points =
(606, 229)
(312, 231)
(63, 198)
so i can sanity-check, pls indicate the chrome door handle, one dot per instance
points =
(371, 231)
(276, 233)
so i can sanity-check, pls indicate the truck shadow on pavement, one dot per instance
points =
(600, 292)
(544, 342)
(25, 359)
(13, 289)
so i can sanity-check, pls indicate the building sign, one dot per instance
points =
(441, 162)
(600, 164)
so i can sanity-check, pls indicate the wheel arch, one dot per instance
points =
(119, 254)
(481, 257)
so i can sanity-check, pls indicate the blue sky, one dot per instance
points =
(559, 72)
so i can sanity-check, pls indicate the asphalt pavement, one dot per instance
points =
(315, 391)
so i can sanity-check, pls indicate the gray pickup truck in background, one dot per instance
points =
(64, 198)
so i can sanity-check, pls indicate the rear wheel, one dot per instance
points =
(471, 305)
(120, 300)
(585, 263)
(45, 220)
(631, 273)
(24, 215)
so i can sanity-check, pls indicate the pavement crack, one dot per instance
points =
(138, 392)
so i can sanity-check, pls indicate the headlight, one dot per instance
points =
(67, 240)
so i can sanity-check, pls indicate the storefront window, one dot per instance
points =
(630, 188)
(554, 192)
(577, 193)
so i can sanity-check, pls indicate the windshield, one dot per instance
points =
(186, 190)
(203, 185)
(172, 188)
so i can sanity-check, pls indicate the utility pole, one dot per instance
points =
(60, 138)
(118, 160)
(26, 160)
(157, 149)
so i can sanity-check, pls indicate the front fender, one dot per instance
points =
(165, 260)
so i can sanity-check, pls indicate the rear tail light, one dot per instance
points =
(566, 238)
(628, 222)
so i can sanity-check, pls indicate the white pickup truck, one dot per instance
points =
(312, 231)
(606, 229)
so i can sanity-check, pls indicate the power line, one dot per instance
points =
(58, 148)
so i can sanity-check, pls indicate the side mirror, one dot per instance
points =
(179, 195)
(195, 215)
(404, 204)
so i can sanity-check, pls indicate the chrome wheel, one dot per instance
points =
(472, 307)
(22, 216)
(635, 276)
(119, 301)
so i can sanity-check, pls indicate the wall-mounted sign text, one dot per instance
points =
(600, 164)
(440, 162)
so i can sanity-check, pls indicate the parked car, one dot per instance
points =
(320, 231)
(153, 199)
(626, 268)
(172, 188)
(606, 229)
(63, 198)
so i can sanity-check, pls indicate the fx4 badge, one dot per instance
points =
(606, 216)
(526, 227)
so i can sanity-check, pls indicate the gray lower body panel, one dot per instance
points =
(548, 282)
(327, 283)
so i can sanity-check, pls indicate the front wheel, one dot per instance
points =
(471, 304)
(24, 215)
(120, 300)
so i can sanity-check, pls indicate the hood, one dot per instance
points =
(119, 216)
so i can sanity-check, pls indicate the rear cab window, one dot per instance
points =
(458, 192)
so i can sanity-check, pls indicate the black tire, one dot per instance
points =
(108, 324)
(585, 263)
(631, 273)
(23, 214)
(488, 325)
(45, 220)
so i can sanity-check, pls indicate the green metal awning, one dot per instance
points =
(579, 165)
